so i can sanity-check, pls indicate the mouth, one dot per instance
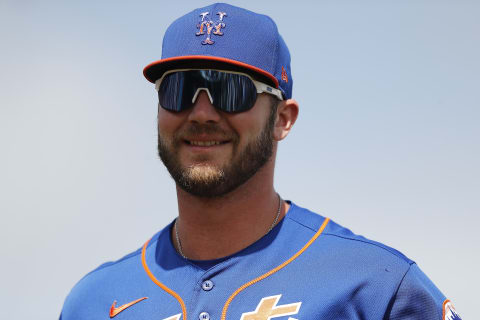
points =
(205, 143)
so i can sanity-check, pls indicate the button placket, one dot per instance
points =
(207, 285)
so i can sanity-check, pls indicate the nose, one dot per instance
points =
(203, 111)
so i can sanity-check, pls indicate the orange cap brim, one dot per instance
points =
(156, 69)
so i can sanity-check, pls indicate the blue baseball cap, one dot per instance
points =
(222, 36)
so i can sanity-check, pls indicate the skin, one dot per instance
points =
(212, 228)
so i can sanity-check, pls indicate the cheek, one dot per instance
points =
(168, 122)
(247, 131)
(250, 124)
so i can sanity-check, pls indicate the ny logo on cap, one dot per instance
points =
(208, 25)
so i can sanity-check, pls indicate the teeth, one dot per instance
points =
(204, 143)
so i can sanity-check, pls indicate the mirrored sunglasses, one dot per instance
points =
(228, 91)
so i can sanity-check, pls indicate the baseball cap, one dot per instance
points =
(222, 36)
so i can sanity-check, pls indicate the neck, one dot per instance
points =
(212, 228)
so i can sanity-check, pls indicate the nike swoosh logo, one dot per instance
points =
(116, 310)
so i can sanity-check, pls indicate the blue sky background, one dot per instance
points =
(387, 141)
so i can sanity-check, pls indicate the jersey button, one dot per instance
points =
(204, 316)
(207, 285)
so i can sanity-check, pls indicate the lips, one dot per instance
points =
(205, 135)
(209, 143)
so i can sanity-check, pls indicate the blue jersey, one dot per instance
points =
(306, 268)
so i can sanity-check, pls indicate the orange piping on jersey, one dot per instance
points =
(269, 273)
(443, 308)
(161, 285)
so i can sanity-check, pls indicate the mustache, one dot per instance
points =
(197, 129)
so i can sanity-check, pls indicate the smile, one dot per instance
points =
(205, 143)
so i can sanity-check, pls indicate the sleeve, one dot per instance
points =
(417, 298)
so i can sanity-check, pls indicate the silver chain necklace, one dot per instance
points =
(179, 244)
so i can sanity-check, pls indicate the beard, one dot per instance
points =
(210, 181)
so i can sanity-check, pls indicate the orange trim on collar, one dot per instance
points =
(243, 287)
(161, 285)
(269, 273)
(219, 59)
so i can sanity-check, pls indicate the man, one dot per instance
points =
(237, 250)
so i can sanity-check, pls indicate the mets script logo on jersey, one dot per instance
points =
(449, 312)
(207, 25)
(268, 308)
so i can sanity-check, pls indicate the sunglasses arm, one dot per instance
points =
(262, 87)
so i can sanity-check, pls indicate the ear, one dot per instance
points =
(287, 114)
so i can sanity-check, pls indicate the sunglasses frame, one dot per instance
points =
(260, 86)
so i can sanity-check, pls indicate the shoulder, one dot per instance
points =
(342, 238)
(345, 256)
(100, 287)
(376, 268)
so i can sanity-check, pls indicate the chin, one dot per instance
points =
(203, 173)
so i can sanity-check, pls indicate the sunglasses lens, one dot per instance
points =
(230, 92)
(176, 91)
